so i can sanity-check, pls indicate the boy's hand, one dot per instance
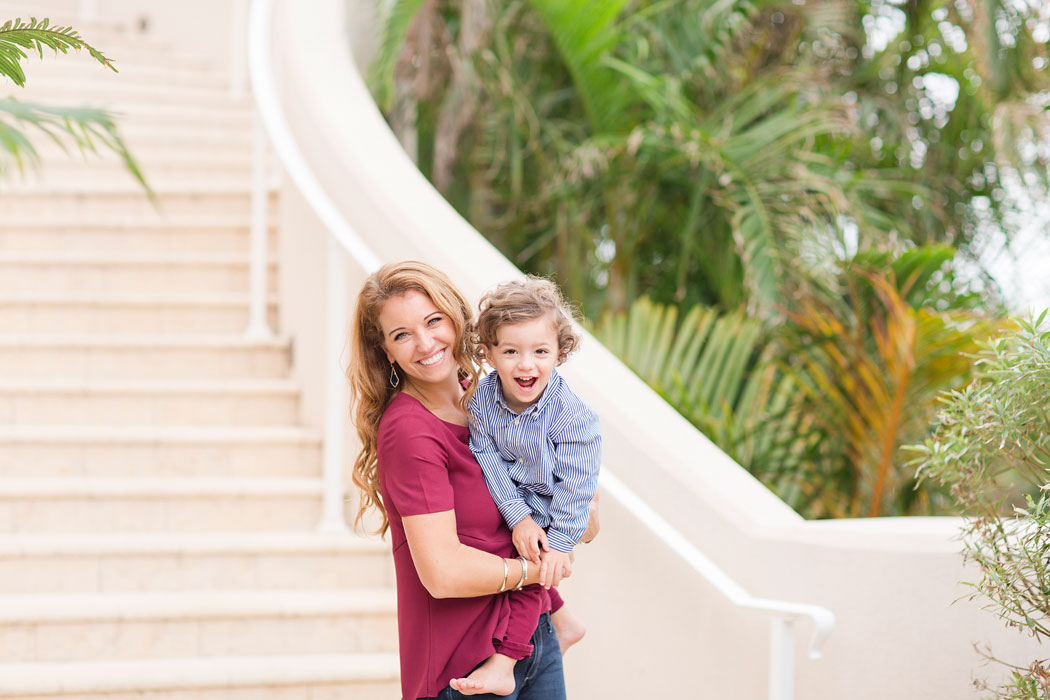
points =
(529, 539)
(554, 567)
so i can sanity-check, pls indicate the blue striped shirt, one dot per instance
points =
(543, 462)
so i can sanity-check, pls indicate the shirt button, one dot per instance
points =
(516, 420)
(521, 461)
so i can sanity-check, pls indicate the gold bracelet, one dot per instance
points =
(506, 572)
(524, 573)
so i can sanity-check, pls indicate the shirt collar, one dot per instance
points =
(552, 389)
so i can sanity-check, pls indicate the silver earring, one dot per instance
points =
(394, 379)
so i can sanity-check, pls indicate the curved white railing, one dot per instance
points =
(344, 238)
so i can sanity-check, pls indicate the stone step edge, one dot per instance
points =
(114, 258)
(136, 389)
(193, 605)
(158, 341)
(121, 300)
(187, 435)
(122, 224)
(44, 679)
(144, 487)
(189, 544)
(83, 190)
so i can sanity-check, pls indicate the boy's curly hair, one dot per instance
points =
(525, 300)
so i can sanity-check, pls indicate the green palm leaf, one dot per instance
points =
(872, 367)
(17, 36)
(585, 32)
(87, 128)
(717, 370)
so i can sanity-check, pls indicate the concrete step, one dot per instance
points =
(153, 238)
(77, 273)
(123, 313)
(172, 452)
(165, 166)
(148, 504)
(190, 624)
(235, 199)
(230, 113)
(150, 143)
(110, 176)
(285, 677)
(109, 91)
(148, 71)
(142, 356)
(130, 562)
(171, 403)
(104, 33)
(79, 175)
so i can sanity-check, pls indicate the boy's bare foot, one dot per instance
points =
(495, 676)
(570, 629)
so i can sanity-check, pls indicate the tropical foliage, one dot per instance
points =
(820, 407)
(719, 371)
(871, 362)
(812, 181)
(86, 128)
(593, 139)
(991, 447)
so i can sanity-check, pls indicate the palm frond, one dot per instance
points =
(85, 128)
(717, 371)
(17, 36)
(585, 32)
(872, 367)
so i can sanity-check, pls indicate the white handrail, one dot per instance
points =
(823, 618)
(781, 680)
(272, 117)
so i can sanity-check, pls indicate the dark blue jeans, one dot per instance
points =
(538, 677)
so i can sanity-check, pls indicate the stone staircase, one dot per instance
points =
(158, 498)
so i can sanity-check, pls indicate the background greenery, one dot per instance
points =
(771, 210)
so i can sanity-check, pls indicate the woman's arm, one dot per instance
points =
(450, 569)
(593, 526)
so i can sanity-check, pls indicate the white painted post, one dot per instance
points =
(258, 322)
(336, 391)
(239, 49)
(782, 659)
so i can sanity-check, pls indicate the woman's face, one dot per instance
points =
(419, 338)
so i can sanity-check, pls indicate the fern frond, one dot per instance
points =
(18, 37)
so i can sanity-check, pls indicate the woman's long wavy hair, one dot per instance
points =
(369, 371)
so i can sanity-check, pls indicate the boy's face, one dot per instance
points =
(524, 356)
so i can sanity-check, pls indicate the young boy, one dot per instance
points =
(538, 444)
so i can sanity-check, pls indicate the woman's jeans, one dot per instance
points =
(538, 677)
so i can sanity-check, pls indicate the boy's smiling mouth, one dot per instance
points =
(526, 382)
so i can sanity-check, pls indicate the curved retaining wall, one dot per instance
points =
(655, 628)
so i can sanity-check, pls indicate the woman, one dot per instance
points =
(452, 551)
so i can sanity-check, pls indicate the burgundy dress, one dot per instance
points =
(426, 466)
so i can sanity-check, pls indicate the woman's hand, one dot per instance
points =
(554, 567)
(592, 521)
(530, 539)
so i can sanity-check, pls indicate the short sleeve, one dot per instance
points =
(413, 465)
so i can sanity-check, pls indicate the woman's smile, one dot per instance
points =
(417, 337)
(433, 359)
